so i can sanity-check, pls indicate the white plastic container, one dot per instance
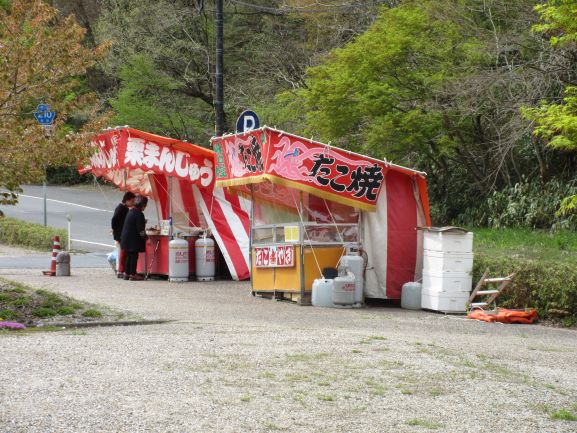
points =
(451, 282)
(344, 290)
(178, 260)
(444, 302)
(354, 264)
(322, 295)
(411, 296)
(439, 261)
(205, 259)
(453, 242)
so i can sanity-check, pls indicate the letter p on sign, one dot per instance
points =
(247, 121)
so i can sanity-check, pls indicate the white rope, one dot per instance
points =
(337, 229)
(110, 206)
(309, 239)
(181, 209)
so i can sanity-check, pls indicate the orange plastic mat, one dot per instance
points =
(505, 316)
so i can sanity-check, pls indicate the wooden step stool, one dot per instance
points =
(484, 289)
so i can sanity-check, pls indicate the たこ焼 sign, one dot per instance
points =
(328, 172)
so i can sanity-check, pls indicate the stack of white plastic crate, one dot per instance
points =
(447, 270)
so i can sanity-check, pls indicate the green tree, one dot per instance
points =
(42, 60)
(556, 122)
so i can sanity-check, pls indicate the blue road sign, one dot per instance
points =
(247, 121)
(44, 116)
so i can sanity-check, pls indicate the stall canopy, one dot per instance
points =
(393, 200)
(179, 176)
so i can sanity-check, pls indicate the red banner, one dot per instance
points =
(139, 151)
(329, 172)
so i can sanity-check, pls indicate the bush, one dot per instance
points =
(550, 287)
(25, 234)
(66, 175)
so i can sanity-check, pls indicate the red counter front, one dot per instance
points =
(155, 260)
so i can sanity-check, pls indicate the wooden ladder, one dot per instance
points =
(483, 289)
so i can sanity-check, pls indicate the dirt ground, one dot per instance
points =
(234, 363)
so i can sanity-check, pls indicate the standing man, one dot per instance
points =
(117, 224)
(133, 239)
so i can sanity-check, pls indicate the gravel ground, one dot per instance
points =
(234, 363)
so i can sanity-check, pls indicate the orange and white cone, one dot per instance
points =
(55, 251)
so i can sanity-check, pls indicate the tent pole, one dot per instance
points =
(250, 236)
(302, 248)
(170, 231)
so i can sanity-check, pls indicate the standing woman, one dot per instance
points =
(117, 224)
(133, 239)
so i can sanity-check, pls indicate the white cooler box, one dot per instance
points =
(439, 261)
(444, 302)
(451, 282)
(448, 242)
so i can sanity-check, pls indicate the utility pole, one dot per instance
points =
(218, 76)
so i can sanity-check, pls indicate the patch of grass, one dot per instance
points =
(305, 357)
(527, 244)
(21, 233)
(44, 312)
(547, 349)
(91, 312)
(296, 377)
(65, 311)
(20, 302)
(325, 397)
(10, 315)
(376, 388)
(245, 398)
(27, 305)
(372, 339)
(563, 415)
(273, 426)
(431, 425)
(435, 392)
(390, 365)
(78, 332)
(406, 391)
(356, 351)
(16, 288)
(268, 375)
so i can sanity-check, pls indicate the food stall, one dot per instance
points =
(166, 170)
(312, 203)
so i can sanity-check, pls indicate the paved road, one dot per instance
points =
(90, 206)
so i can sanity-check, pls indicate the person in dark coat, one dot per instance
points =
(117, 224)
(133, 238)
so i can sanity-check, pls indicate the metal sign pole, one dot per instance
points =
(44, 199)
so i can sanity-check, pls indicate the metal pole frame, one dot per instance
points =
(302, 248)
(250, 237)
(219, 69)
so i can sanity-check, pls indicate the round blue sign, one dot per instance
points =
(247, 121)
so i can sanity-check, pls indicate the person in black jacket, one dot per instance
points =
(117, 224)
(133, 238)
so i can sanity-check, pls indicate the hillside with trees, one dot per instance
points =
(480, 94)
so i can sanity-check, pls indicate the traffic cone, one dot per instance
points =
(55, 251)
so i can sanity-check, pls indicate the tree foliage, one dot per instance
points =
(42, 60)
(439, 85)
(556, 122)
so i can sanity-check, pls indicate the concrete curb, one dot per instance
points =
(102, 324)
